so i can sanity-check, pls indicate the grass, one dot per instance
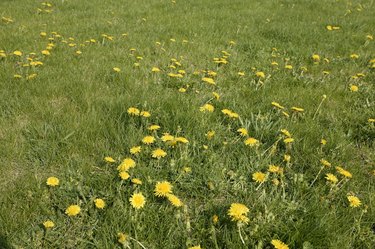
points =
(73, 113)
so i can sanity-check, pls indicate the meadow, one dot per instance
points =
(187, 124)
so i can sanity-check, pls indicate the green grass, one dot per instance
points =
(73, 113)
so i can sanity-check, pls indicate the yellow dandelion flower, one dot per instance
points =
(17, 52)
(153, 127)
(135, 150)
(286, 132)
(174, 200)
(278, 244)
(167, 137)
(195, 247)
(73, 210)
(210, 134)
(48, 224)
(46, 52)
(241, 73)
(122, 238)
(145, 114)
(126, 164)
(275, 169)
(148, 140)
(162, 189)
(354, 201)
(207, 107)
(124, 175)
(182, 140)
(353, 88)
(208, 80)
(238, 212)
(325, 163)
(109, 159)
(136, 181)
(216, 95)
(297, 109)
(182, 90)
(133, 111)
(315, 57)
(116, 69)
(259, 177)
(215, 219)
(99, 203)
(158, 153)
(344, 172)
(354, 56)
(277, 105)
(251, 142)
(288, 140)
(137, 200)
(288, 67)
(243, 132)
(53, 181)
(323, 141)
(331, 178)
(287, 158)
(260, 75)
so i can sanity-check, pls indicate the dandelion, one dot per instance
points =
(315, 57)
(73, 210)
(344, 172)
(53, 181)
(331, 178)
(354, 201)
(133, 111)
(99, 203)
(260, 75)
(162, 189)
(126, 164)
(238, 212)
(287, 158)
(323, 141)
(48, 224)
(288, 140)
(136, 181)
(277, 105)
(325, 163)
(354, 56)
(137, 200)
(286, 132)
(122, 238)
(116, 69)
(109, 159)
(288, 67)
(46, 52)
(353, 88)
(174, 200)
(145, 114)
(209, 80)
(216, 95)
(124, 175)
(297, 109)
(135, 150)
(275, 169)
(251, 142)
(207, 107)
(195, 247)
(167, 137)
(17, 53)
(243, 132)
(148, 140)
(278, 244)
(158, 153)
(153, 127)
(259, 177)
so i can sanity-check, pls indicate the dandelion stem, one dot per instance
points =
(138, 243)
(317, 109)
(317, 175)
(239, 232)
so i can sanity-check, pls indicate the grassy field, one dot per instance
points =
(263, 111)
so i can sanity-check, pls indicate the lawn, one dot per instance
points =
(187, 124)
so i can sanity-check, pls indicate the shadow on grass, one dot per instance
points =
(4, 243)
